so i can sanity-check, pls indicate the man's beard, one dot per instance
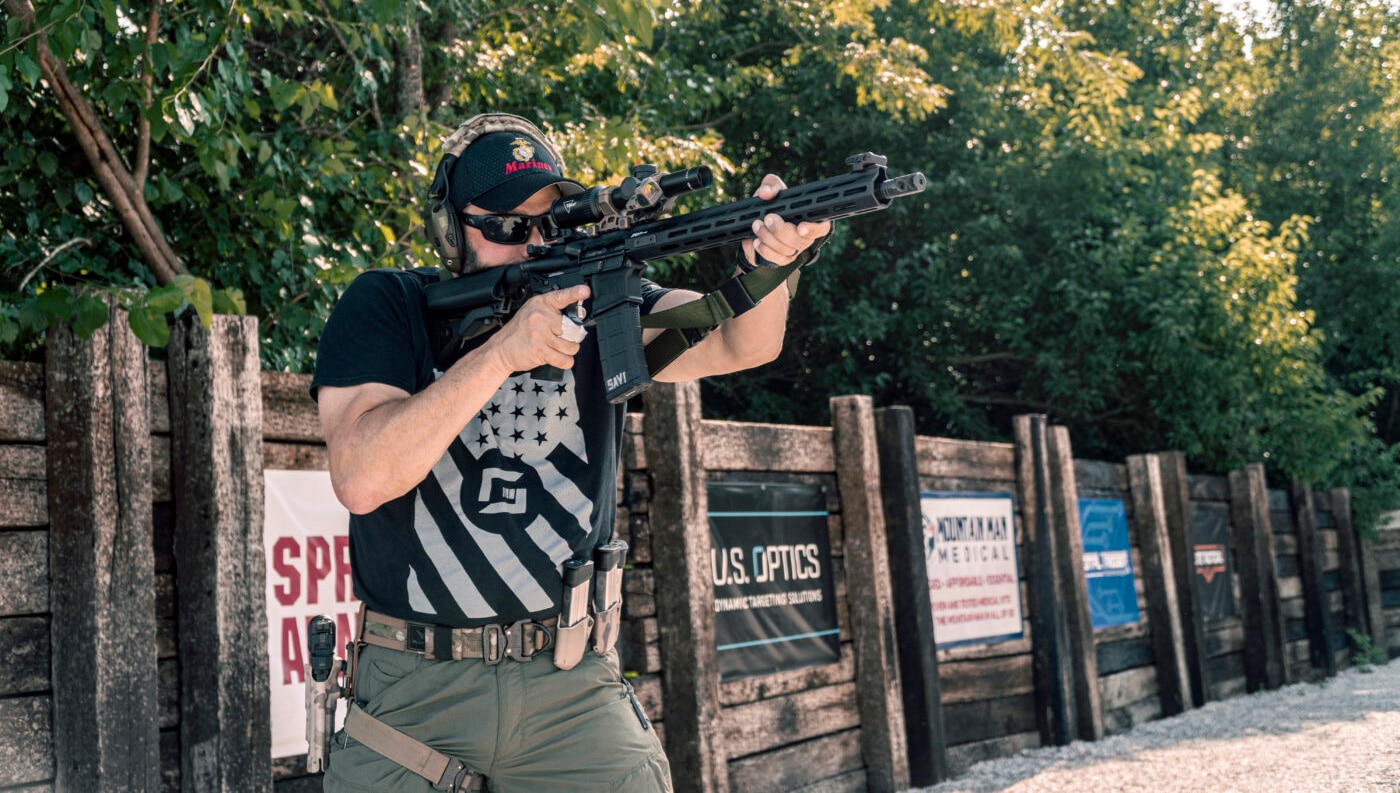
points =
(470, 263)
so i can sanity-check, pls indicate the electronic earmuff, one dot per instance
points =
(440, 218)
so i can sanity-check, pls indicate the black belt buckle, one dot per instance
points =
(493, 644)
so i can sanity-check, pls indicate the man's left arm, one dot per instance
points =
(756, 336)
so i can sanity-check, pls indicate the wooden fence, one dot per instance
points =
(132, 579)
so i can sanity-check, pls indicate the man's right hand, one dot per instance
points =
(534, 336)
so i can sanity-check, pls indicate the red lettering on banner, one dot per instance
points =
(293, 662)
(318, 566)
(283, 548)
(344, 591)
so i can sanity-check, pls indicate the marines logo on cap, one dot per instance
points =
(522, 149)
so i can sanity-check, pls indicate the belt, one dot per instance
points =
(520, 641)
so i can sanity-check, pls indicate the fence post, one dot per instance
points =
(1176, 497)
(103, 627)
(217, 484)
(1312, 561)
(883, 741)
(1159, 582)
(913, 613)
(1074, 590)
(685, 598)
(1360, 578)
(1054, 690)
(1252, 535)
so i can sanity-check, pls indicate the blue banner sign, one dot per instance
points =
(1108, 562)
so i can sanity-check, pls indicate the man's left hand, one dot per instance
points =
(775, 239)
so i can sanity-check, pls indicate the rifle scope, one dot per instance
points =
(645, 193)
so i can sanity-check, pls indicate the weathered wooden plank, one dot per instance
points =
(648, 688)
(732, 446)
(1311, 563)
(1054, 686)
(1073, 587)
(21, 402)
(24, 660)
(795, 767)
(944, 484)
(990, 718)
(966, 681)
(1129, 716)
(1252, 537)
(1208, 488)
(23, 462)
(1158, 573)
(295, 457)
(103, 615)
(1226, 636)
(1176, 497)
(26, 736)
(771, 723)
(913, 616)
(849, 782)
(1360, 579)
(217, 482)
(954, 459)
(870, 601)
(1128, 686)
(23, 502)
(289, 413)
(24, 572)
(160, 468)
(159, 382)
(685, 609)
(741, 692)
(1100, 475)
(1118, 656)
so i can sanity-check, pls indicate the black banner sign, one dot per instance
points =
(770, 556)
(1210, 558)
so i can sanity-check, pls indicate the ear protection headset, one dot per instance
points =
(440, 219)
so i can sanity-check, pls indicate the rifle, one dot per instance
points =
(625, 231)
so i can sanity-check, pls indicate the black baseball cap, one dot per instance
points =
(500, 170)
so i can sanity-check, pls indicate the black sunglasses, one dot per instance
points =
(506, 229)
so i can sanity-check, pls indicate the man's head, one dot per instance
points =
(493, 164)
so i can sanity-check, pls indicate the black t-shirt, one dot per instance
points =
(529, 483)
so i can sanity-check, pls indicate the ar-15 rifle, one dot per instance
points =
(626, 233)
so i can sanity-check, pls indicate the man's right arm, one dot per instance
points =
(382, 441)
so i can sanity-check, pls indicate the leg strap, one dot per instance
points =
(445, 773)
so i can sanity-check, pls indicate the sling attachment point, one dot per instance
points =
(445, 773)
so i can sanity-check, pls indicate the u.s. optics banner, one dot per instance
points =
(306, 535)
(970, 553)
(1108, 562)
(775, 600)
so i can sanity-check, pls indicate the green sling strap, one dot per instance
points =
(685, 325)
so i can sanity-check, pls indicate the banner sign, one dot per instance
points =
(1210, 559)
(1108, 562)
(970, 554)
(770, 557)
(306, 538)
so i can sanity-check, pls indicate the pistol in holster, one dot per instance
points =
(322, 691)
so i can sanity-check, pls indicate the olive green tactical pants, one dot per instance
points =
(526, 726)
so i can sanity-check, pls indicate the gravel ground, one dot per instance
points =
(1342, 735)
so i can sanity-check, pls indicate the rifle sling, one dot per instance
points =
(685, 325)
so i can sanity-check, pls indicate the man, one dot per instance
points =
(470, 487)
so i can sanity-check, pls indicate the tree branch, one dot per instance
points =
(143, 126)
(116, 180)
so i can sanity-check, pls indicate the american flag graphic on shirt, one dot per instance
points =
(501, 509)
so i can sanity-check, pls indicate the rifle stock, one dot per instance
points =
(611, 263)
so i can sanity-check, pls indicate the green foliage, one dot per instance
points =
(1366, 654)
(1161, 230)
